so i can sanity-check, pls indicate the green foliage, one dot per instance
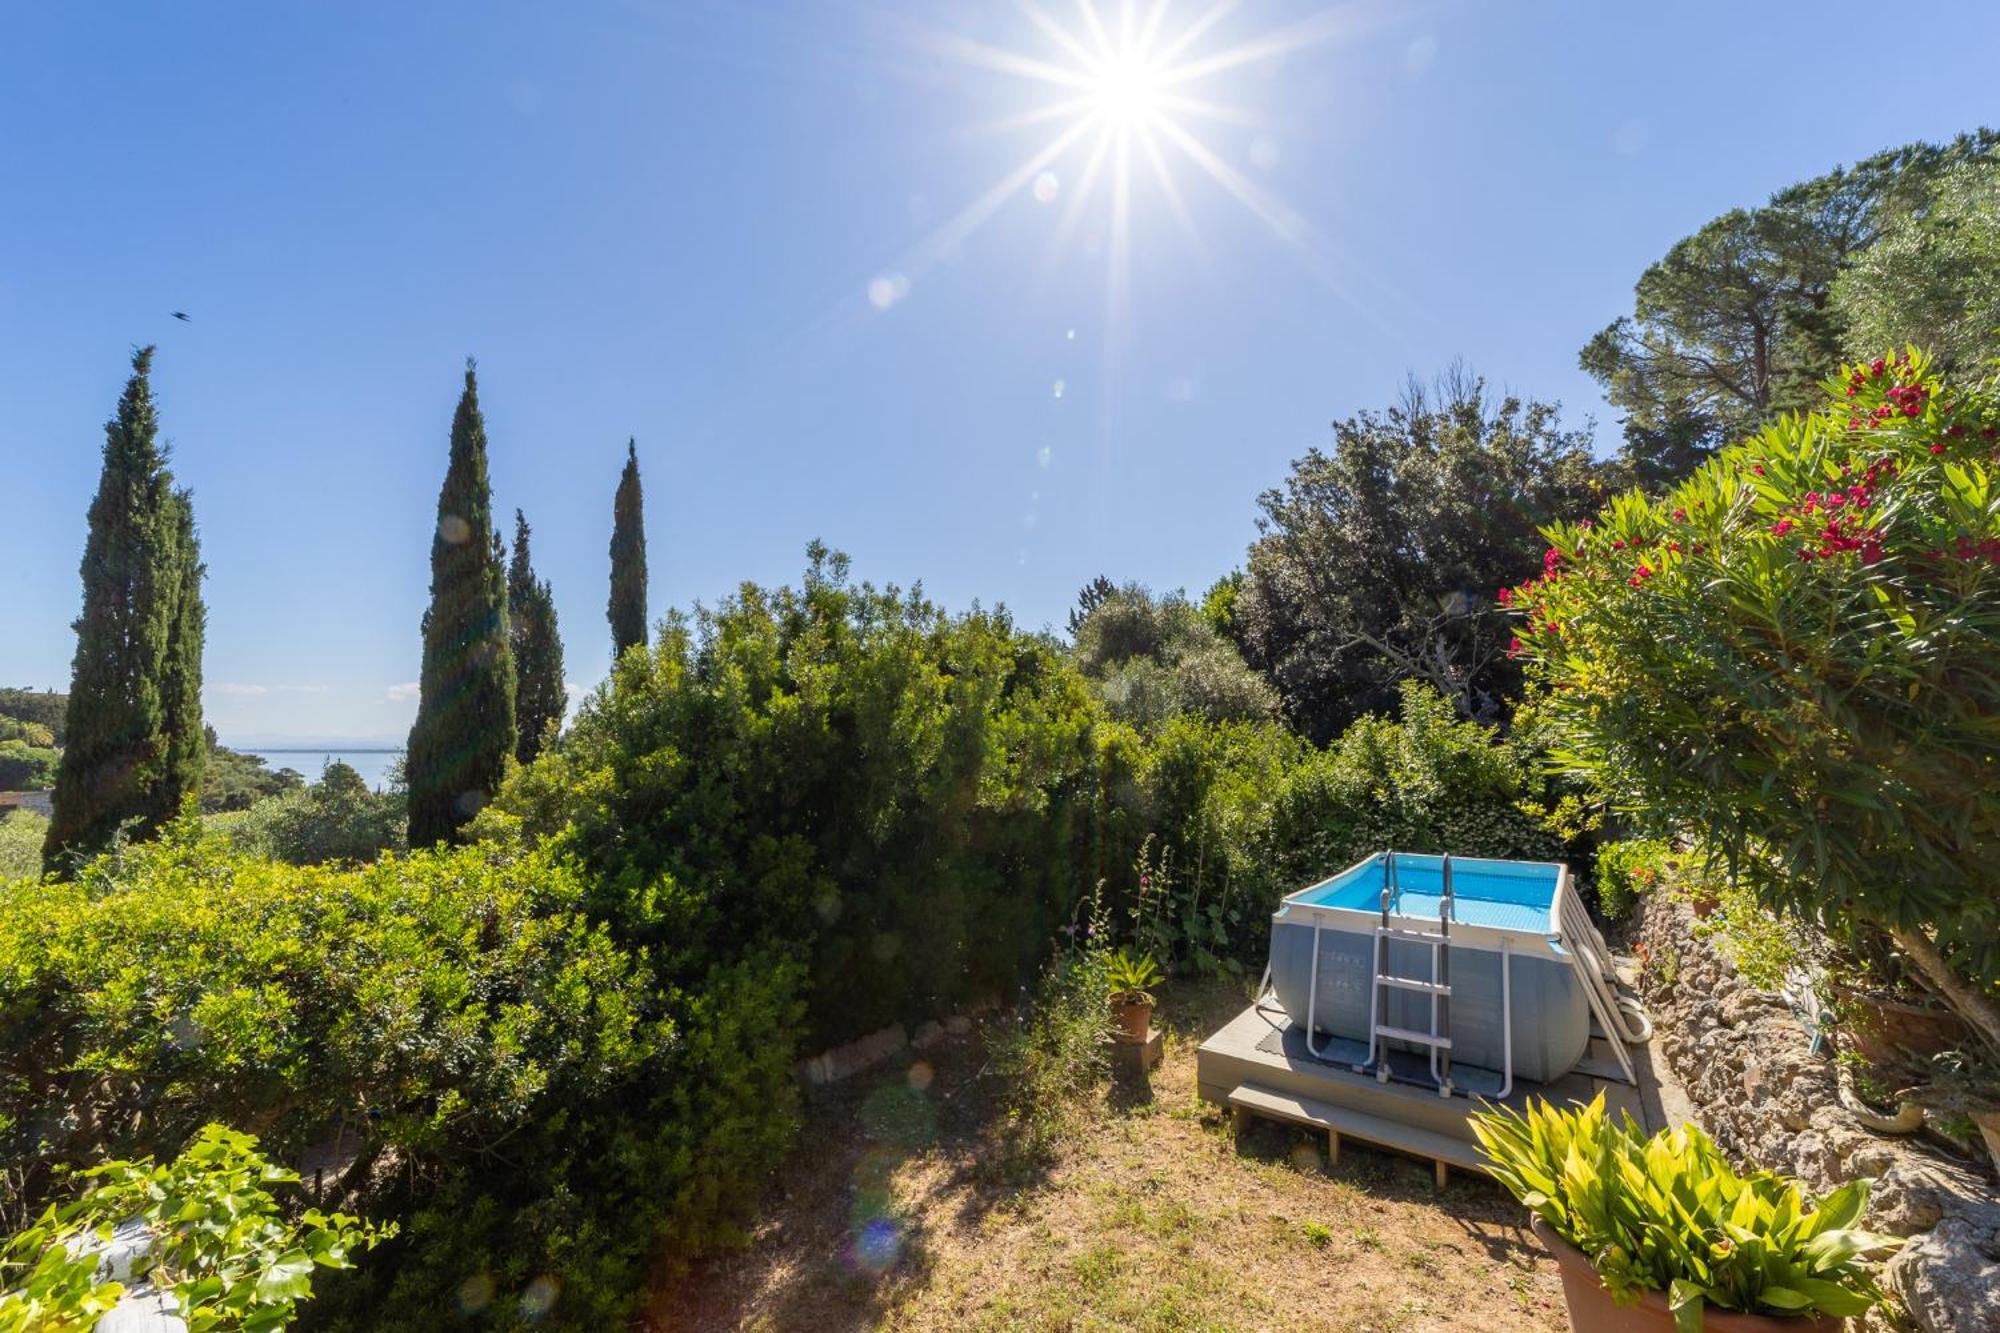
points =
(213, 1239)
(33, 734)
(541, 695)
(1055, 1056)
(897, 796)
(1377, 559)
(1626, 872)
(133, 738)
(1794, 652)
(1933, 275)
(237, 781)
(1131, 974)
(25, 767)
(1668, 1213)
(21, 834)
(465, 731)
(1151, 659)
(1733, 325)
(41, 708)
(1765, 948)
(627, 606)
(335, 819)
(1427, 783)
(529, 1097)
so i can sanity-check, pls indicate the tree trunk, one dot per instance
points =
(1966, 1000)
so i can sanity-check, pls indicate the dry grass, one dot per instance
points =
(899, 1213)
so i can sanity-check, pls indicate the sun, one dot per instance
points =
(1128, 89)
(1130, 95)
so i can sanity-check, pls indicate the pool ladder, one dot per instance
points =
(1438, 986)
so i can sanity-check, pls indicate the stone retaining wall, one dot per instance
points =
(1767, 1100)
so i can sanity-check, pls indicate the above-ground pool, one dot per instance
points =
(1519, 1002)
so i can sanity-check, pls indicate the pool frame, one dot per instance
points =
(1293, 909)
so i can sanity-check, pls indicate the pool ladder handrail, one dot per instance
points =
(1437, 986)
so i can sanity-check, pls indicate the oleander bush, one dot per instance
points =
(1796, 653)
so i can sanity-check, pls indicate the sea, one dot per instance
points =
(372, 765)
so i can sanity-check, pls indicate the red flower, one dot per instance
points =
(1514, 646)
(1680, 516)
(1506, 597)
(1550, 559)
(1937, 448)
(1781, 527)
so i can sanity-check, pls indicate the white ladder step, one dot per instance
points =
(1412, 983)
(1398, 933)
(1406, 1034)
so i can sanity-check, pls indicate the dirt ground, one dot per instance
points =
(896, 1214)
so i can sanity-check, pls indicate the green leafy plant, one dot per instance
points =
(1668, 1213)
(1129, 975)
(1626, 872)
(1793, 651)
(211, 1235)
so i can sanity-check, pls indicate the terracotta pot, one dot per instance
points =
(1882, 1028)
(1591, 1309)
(1133, 1019)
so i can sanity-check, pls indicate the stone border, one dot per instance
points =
(1767, 1100)
(864, 1053)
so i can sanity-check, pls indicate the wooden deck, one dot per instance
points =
(1258, 1064)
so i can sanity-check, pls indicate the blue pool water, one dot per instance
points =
(1511, 895)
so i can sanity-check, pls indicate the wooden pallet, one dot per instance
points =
(1444, 1151)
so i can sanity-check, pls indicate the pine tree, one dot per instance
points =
(134, 741)
(539, 695)
(465, 711)
(628, 558)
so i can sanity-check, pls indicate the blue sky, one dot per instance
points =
(725, 228)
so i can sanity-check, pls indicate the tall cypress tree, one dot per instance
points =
(133, 736)
(539, 694)
(465, 711)
(628, 558)
(180, 688)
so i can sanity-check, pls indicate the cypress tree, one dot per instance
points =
(539, 694)
(465, 708)
(133, 736)
(627, 610)
(180, 689)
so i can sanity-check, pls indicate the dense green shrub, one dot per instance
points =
(43, 708)
(1154, 658)
(25, 767)
(335, 819)
(1626, 872)
(899, 797)
(28, 733)
(1794, 652)
(233, 780)
(526, 1094)
(1427, 782)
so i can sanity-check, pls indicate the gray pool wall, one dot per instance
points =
(1551, 1015)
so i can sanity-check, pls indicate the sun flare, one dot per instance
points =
(1134, 95)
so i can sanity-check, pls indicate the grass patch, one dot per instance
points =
(21, 834)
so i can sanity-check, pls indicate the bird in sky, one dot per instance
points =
(182, 316)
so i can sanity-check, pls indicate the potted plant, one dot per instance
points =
(1131, 1006)
(1661, 1233)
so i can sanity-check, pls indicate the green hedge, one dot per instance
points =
(526, 1092)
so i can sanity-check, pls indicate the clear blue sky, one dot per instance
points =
(678, 220)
